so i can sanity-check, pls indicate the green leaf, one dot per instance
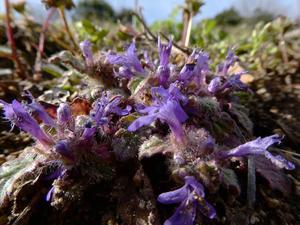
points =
(134, 83)
(230, 181)
(52, 69)
(12, 170)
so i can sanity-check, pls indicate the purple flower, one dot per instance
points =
(196, 70)
(58, 173)
(37, 109)
(148, 61)
(64, 114)
(259, 147)
(100, 112)
(18, 116)
(87, 52)
(231, 58)
(49, 194)
(232, 82)
(103, 107)
(163, 70)
(164, 52)
(128, 62)
(190, 196)
(165, 107)
(215, 85)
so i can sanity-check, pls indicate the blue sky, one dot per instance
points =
(161, 9)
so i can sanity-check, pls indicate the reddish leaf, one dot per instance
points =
(80, 106)
(50, 108)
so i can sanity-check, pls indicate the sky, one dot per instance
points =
(160, 9)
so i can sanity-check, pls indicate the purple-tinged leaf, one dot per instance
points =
(275, 177)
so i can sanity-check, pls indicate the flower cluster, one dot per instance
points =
(199, 106)
(67, 135)
(182, 97)
(128, 62)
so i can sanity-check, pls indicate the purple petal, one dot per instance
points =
(175, 196)
(86, 49)
(163, 73)
(129, 62)
(17, 114)
(64, 114)
(255, 147)
(39, 110)
(116, 59)
(133, 59)
(164, 52)
(63, 148)
(148, 61)
(207, 210)
(185, 214)
(142, 121)
(202, 64)
(230, 60)
(197, 187)
(235, 83)
(124, 72)
(176, 94)
(215, 85)
(196, 70)
(100, 109)
(88, 132)
(50, 194)
(259, 147)
(160, 94)
(173, 115)
(148, 109)
(279, 161)
(186, 73)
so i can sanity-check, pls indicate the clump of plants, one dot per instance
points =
(156, 135)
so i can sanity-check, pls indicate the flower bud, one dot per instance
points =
(64, 114)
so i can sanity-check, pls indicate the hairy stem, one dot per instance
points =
(38, 62)
(65, 22)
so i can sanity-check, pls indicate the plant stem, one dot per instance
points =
(11, 40)
(187, 27)
(63, 17)
(38, 63)
(251, 184)
(154, 38)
